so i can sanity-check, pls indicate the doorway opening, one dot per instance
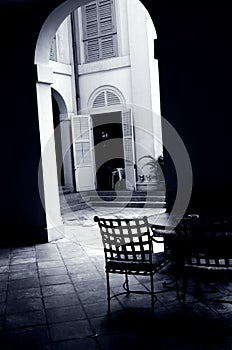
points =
(58, 142)
(109, 160)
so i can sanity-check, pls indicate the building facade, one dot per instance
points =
(105, 93)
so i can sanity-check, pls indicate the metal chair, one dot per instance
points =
(207, 255)
(173, 239)
(128, 249)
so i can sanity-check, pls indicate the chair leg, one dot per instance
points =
(108, 293)
(126, 284)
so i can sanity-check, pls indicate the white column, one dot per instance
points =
(49, 192)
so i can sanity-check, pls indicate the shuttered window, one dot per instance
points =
(99, 30)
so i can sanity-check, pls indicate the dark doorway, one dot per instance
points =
(58, 145)
(106, 127)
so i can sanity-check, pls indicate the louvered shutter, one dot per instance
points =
(83, 152)
(99, 30)
(112, 98)
(91, 21)
(128, 143)
(106, 23)
(99, 101)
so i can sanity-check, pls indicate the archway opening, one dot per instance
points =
(140, 84)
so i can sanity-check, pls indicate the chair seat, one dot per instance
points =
(159, 260)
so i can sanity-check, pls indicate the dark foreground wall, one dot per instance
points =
(193, 49)
(22, 213)
(195, 56)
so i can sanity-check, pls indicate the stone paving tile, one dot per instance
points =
(69, 246)
(2, 308)
(72, 254)
(101, 325)
(63, 289)
(27, 338)
(74, 261)
(50, 280)
(81, 276)
(89, 297)
(99, 308)
(23, 267)
(44, 257)
(22, 283)
(67, 313)
(3, 285)
(77, 344)
(60, 301)
(86, 287)
(4, 277)
(49, 248)
(52, 271)
(2, 296)
(4, 261)
(2, 324)
(50, 264)
(23, 293)
(22, 260)
(24, 305)
(23, 274)
(70, 330)
(25, 319)
(4, 269)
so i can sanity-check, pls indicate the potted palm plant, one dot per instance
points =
(152, 171)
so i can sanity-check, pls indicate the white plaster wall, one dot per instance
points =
(139, 54)
(144, 80)
(63, 70)
(118, 77)
(63, 84)
(122, 27)
(155, 88)
(63, 45)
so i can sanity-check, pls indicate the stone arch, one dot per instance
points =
(60, 101)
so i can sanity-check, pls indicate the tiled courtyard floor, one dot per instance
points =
(53, 296)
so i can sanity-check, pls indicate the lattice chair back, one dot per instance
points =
(126, 241)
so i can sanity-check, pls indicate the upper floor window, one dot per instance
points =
(99, 30)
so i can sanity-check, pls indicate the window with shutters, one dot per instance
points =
(99, 30)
